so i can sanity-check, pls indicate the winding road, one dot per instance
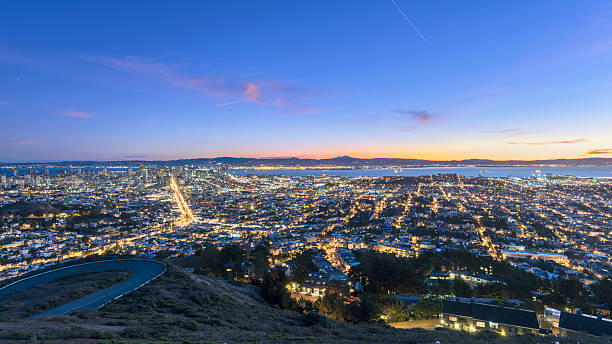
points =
(144, 270)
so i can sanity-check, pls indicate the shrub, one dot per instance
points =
(313, 318)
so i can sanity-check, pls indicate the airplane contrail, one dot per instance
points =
(230, 103)
(409, 21)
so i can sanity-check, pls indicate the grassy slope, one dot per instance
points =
(179, 307)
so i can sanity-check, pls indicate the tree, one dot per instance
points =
(383, 272)
(273, 290)
(442, 287)
(427, 308)
(519, 283)
(259, 255)
(303, 266)
(364, 310)
(394, 310)
(207, 256)
(603, 291)
(331, 305)
(494, 290)
(554, 300)
(462, 288)
(369, 309)
(232, 253)
(237, 271)
(569, 288)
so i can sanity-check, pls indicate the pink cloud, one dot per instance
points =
(281, 101)
(252, 92)
(550, 142)
(600, 151)
(76, 114)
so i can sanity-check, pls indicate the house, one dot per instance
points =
(577, 322)
(549, 256)
(439, 275)
(314, 289)
(472, 317)
(474, 279)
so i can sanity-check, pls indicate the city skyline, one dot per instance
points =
(392, 79)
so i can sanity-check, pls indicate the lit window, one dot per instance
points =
(452, 318)
(493, 325)
(480, 324)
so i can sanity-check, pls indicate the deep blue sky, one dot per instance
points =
(165, 80)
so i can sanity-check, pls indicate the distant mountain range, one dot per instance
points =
(343, 161)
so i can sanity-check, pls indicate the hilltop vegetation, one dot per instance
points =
(180, 307)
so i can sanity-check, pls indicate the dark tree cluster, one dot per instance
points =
(366, 309)
(383, 272)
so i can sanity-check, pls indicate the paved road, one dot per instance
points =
(424, 324)
(144, 270)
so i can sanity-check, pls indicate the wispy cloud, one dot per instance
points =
(421, 116)
(409, 21)
(156, 70)
(246, 91)
(600, 151)
(409, 120)
(19, 80)
(230, 103)
(19, 142)
(3, 102)
(509, 131)
(76, 114)
(550, 142)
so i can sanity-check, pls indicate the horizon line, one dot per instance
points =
(59, 161)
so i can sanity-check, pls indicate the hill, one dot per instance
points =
(180, 307)
(345, 161)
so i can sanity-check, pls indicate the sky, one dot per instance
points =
(158, 80)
